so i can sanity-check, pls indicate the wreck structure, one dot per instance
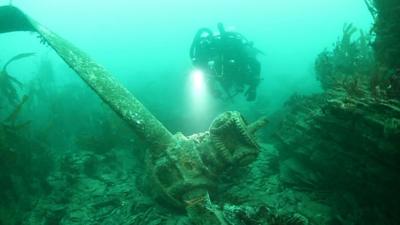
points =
(183, 169)
(343, 144)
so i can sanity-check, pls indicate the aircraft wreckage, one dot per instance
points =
(183, 169)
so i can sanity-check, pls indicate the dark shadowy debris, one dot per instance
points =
(345, 150)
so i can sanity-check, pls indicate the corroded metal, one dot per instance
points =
(183, 169)
(95, 76)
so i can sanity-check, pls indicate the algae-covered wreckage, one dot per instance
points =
(183, 168)
(344, 143)
(328, 158)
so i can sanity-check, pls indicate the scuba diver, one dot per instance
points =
(228, 60)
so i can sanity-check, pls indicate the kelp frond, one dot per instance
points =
(14, 114)
(8, 88)
(17, 57)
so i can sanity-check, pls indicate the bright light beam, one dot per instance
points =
(198, 94)
(198, 82)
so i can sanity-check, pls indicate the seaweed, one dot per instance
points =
(25, 164)
(386, 44)
(371, 7)
(350, 58)
(9, 84)
(387, 30)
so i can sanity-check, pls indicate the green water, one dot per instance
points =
(145, 44)
(328, 154)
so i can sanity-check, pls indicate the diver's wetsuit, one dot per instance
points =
(229, 59)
